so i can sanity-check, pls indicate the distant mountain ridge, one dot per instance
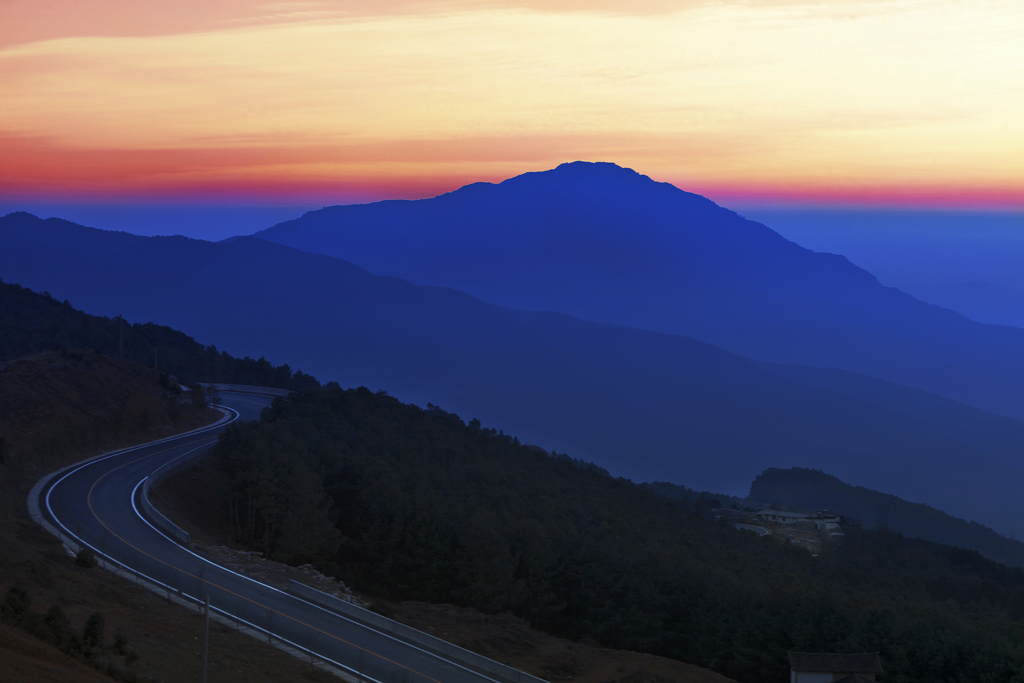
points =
(808, 489)
(607, 244)
(645, 405)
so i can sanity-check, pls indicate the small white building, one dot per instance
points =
(820, 667)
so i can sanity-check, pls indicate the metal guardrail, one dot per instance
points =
(408, 634)
(247, 389)
(155, 516)
(158, 518)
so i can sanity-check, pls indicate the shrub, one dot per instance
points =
(15, 605)
(86, 558)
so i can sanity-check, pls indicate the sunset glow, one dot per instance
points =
(896, 101)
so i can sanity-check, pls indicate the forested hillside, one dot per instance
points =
(409, 503)
(805, 489)
(33, 323)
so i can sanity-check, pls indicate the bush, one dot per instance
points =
(15, 605)
(92, 634)
(56, 629)
(86, 558)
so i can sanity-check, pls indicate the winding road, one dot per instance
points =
(96, 504)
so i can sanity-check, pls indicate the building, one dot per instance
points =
(808, 667)
(825, 523)
(784, 516)
(801, 520)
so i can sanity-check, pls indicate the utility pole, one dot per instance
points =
(206, 638)
(120, 333)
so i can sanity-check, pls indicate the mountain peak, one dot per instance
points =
(21, 217)
(591, 167)
(599, 174)
(587, 178)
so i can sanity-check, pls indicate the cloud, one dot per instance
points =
(725, 92)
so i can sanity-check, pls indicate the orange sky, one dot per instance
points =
(895, 101)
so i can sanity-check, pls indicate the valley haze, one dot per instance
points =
(591, 310)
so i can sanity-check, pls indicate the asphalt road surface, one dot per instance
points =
(97, 504)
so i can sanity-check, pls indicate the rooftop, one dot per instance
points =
(866, 662)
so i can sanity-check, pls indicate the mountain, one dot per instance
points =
(805, 489)
(644, 405)
(607, 244)
(968, 261)
(978, 300)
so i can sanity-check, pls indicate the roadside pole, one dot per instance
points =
(206, 637)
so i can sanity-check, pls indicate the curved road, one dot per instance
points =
(96, 504)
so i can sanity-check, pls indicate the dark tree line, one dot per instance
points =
(409, 503)
(34, 323)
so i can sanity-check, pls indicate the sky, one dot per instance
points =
(285, 105)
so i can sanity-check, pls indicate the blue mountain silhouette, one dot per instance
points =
(607, 244)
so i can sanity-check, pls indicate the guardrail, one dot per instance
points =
(247, 389)
(470, 660)
(158, 518)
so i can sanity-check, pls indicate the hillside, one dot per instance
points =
(191, 497)
(64, 404)
(608, 244)
(644, 405)
(57, 408)
(405, 503)
(804, 489)
(32, 323)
